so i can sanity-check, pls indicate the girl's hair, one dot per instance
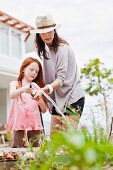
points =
(39, 79)
(40, 45)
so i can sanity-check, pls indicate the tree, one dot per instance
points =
(99, 80)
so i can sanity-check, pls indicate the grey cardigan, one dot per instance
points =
(62, 66)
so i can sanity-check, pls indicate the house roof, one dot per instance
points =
(17, 24)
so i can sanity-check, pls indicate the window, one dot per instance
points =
(4, 40)
(11, 42)
(16, 44)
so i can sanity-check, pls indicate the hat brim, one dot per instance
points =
(45, 30)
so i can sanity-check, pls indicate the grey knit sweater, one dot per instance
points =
(62, 65)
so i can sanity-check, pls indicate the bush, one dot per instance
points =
(72, 150)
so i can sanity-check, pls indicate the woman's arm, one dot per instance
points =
(55, 85)
(15, 92)
(61, 69)
(61, 72)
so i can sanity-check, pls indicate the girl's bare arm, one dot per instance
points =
(41, 104)
(15, 92)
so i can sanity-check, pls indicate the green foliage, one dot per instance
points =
(70, 110)
(72, 149)
(8, 136)
(99, 79)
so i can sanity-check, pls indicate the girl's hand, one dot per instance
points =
(16, 92)
(42, 105)
(27, 89)
(37, 95)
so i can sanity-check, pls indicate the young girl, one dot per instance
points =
(25, 111)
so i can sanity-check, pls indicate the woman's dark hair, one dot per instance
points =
(40, 45)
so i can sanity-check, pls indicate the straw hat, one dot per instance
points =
(45, 24)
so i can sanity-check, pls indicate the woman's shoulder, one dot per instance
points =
(64, 47)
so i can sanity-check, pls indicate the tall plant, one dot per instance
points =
(99, 80)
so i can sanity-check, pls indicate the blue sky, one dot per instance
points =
(86, 24)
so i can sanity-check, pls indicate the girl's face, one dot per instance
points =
(31, 72)
(47, 37)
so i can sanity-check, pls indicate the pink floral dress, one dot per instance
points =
(24, 114)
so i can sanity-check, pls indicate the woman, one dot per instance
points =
(60, 69)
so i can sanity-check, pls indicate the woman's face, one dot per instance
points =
(31, 72)
(47, 37)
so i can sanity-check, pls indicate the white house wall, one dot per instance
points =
(9, 68)
(3, 105)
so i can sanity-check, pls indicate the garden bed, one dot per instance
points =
(10, 164)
